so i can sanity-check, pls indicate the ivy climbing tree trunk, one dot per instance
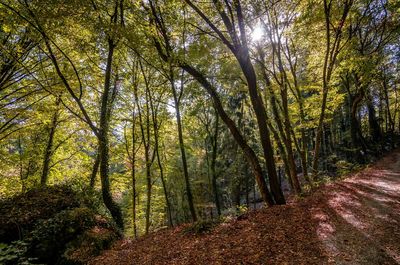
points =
(95, 170)
(103, 137)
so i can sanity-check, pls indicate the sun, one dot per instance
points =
(257, 34)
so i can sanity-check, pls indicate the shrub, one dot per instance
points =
(15, 253)
(53, 226)
(200, 227)
(48, 240)
(19, 214)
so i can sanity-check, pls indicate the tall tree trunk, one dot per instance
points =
(132, 160)
(261, 116)
(148, 186)
(284, 129)
(396, 107)
(165, 54)
(164, 185)
(318, 136)
(355, 128)
(133, 173)
(95, 169)
(304, 140)
(289, 150)
(283, 156)
(103, 136)
(239, 49)
(145, 132)
(154, 116)
(242, 55)
(49, 146)
(247, 150)
(182, 149)
(21, 165)
(390, 120)
(146, 142)
(213, 164)
(304, 147)
(105, 108)
(332, 50)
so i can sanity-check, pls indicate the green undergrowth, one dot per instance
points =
(55, 225)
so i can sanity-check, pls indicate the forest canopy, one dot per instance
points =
(180, 111)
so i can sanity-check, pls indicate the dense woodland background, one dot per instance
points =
(176, 111)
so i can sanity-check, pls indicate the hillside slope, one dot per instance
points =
(353, 221)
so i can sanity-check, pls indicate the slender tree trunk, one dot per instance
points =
(318, 136)
(133, 171)
(355, 128)
(213, 164)
(149, 188)
(49, 146)
(282, 154)
(356, 134)
(145, 132)
(325, 84)
(157, 151)
(304, 147)
(396, 106)
(168, 204)
(95, 169)
(21, 165)
(390, 120)
(290, 155)
(398, 129)
(182, 149)
(332, 49)
(146, 143)
(304, 140)
(284, 129)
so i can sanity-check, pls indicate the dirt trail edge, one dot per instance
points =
(353, 221)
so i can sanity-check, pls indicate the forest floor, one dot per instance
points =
(350, 221)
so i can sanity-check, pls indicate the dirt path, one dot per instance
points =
(354, 221)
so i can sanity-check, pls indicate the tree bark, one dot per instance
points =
(332, 50)
(249, 153)
(182, 149)
(387, 103)
(247, 150)
(133, 173)
(95, 169)
(49, 146)
(111, 205)
(213, 164)
(157, 151)
(238, 47)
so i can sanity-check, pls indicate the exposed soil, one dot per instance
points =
(352, 221)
